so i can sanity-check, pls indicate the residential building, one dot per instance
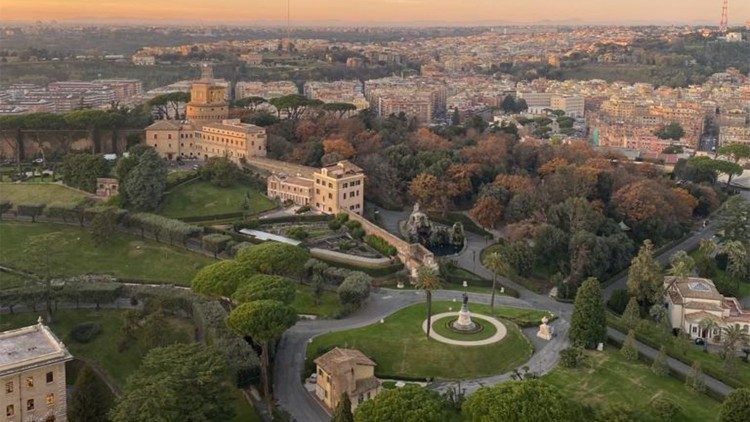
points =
(573, 105)
(691, 301)
(252, 59)
(265, 90)
(32, 375)
(232, 139)
(107, 187)
(345, 371)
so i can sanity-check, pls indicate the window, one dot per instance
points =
(10, 410)
(154, 136)
(29, 382)
(50, 418)
(50, 399)
(30, 404)
(50, 377)
(9, 387)
(169, 136)
(330, 195)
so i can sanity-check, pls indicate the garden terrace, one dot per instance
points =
(200, 199)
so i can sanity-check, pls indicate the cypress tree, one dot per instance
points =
(588, 325)
(629, 350)
(90, 400)
(659, 366)
(632, 314)
(343, 412)
(695, 379)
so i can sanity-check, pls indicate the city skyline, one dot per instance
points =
(376, 12)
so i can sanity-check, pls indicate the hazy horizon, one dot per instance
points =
(374, 12)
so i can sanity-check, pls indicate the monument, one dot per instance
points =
(438, 238)
(545, 331)
(464, 322)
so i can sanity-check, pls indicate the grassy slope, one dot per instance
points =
(609, 378)
(18, 193)
(201, 198)
(400, 347)
(304, 302)
(126, 256)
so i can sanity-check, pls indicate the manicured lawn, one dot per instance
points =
(401, 349)
(10, 280)
(441, 327)
(244, 411)
(538, 281)
(304, 302)
(608, 378)
(126, 256)
(201, 198)
(711, 363)
(46, 193)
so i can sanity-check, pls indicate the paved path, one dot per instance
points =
(499, 334)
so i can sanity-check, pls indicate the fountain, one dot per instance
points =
(439, 239)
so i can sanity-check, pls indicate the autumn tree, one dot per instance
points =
(426, 189)
(340, 146)
(427, 140)
(489, 151)
(487, 211)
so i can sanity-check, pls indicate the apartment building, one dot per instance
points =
(232, 139)
(265, 90)
(345, 371)
(32, 375)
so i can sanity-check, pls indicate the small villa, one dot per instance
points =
(691, 300)
(345, 371)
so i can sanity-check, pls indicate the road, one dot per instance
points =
(301, 405)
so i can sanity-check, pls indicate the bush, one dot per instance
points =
(342, 217)
(215, 243)
(250, 224)
(5, 206)
(353, 224)
(298, 233)
(85, 331)
(572, 357)
(175, 230)
(303, 209)
(355, 289)
(380, 245)
(275, 258)
(664, 408)
(334, 225)
(32, 210)
(358, 233)
(237, 247)
(618, 301)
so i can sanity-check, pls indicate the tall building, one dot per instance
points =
(32, 375)
(207, 99)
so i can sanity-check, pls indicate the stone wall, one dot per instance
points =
(413, 255)
(276, 167)
(349, 259)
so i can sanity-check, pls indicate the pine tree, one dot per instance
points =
(629, 350)
(695, 379)
(644, 275)
(588, 325)
(632, 314)
(90, 400)
(659, 366)
(343, 412)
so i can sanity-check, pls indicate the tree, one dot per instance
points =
(522, 401)
(672, 131)
(265, 287)
(735, 151)
(681, 265)
(427, 280)
(734, 220)
(659, 365)
(222, 278)
(340, 146)
(629, 350)
(339, 109)
(293, 105)
(264, 321)
(146, 182)
(274, 258)
(181, 382)
(588, 325)
(499, 266)
(695, 379)
(487, 211)
(168, 105)
(732, 338)
(632, 314)
(354, 289)
(738, 259)
(707, 325)
(90, 400)
(343, 412)
(43, 254)
(103, 225)
(409, 403)
(644, 275)
(221, 171)
(736, 407)
(81, 170)
(427, 190)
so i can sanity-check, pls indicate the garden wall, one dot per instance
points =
(353, 260)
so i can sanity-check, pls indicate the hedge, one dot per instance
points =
(157, 225)
(215, 243)
(5, 206)
(381, 245)
(66, 212)
(32, 210)
(294, 219)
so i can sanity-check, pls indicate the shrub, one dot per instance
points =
(572, 357)
(618, 301)
(355, 289)
(736, 407)
(275, 258)
(175, 230)
(664, 408)
(303, 209)
(380, 245)
(32, 210)
(629, 349)
(353, 224)
(5, 206)
(249, 224)
(334, 225)
(342, 217)
(298, 233)
(215, 243)
(358, 233)
(85, 331)
(238, 247)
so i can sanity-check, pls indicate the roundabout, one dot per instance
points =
(492, 330)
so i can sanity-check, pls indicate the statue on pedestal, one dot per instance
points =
(545, 331)
(464, 321)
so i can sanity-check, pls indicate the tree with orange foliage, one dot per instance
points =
(513, 183)
(340, 146)
(684, 205)
(552, 166)
(487, 211)
(427, 190)
(426, 140)
(490, 150)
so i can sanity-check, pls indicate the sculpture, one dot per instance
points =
(464, 322)
(545, 331)
(436, 237)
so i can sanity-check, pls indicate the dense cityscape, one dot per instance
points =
(273, 218)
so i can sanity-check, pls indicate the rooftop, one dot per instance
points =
(694, 288)
(30, 347)
(339, 358)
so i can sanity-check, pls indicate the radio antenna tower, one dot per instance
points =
(724, 23)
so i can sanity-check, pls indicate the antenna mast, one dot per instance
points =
(724, 23)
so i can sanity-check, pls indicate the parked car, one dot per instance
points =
(313, 379)
(700, 341)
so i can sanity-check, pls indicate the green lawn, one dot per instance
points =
(400, 347)
(608, 378)
(538, 281)
(201, 198)
(441, 327)
(126, 256)
(304, 302)
(46, 193)
(11, 280)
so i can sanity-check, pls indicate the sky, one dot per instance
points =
(376, 11)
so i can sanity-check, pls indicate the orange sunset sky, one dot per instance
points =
(376, 11)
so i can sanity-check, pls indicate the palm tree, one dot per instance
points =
(495, 263)
(427, 280)
(706, 325)
(681, 265)
(732, 338)
(737, 255)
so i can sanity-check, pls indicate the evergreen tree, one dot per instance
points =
(632, 314)
(629, 350)
(103, 226)
(90, 401)
(146, 182)
(588, 325)
(659, 366)
(644, 276)
(695, 379)
(343, 412)
(736, 407)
